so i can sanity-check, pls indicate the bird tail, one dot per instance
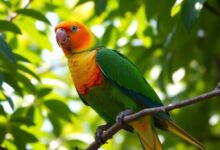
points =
(172, 127)
(147, 134)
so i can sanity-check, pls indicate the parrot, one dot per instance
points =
(110, 83)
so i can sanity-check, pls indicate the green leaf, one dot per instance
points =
(9, 26)
(59, 108)
(190, 12)
(153, 8)
(26, 83)
(13, 83)
(3, 132)
(27, 70)
(100, 6)
(23, 115)
(80, 144)
(11, 104)
(55, 123)
(34, 14)
(43, 92)
(82, 2)
(1, 79)
(21, 58)
(21, 137)
(6, 3)
(107, 34)
(131, 6)
(7, 59)
(2, 112)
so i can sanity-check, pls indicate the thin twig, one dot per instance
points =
(129, 118)
(14, 15)
(211, 9)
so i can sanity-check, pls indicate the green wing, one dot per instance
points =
(125, 75)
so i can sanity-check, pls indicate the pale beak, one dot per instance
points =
(62, 37)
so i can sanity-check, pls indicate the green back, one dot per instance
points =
(125, 75)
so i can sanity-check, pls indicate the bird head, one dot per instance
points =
(74, 37)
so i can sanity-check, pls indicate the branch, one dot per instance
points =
(14, 15)
(129, 118)
(212, 9)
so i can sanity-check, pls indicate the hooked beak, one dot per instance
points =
(62, 37)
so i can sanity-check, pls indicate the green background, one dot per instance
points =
(176, 45)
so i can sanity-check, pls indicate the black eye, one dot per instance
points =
(74, 28)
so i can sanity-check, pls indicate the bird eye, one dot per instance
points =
(74, 28)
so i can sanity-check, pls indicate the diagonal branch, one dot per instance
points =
(212, 9)
(129, 118)
(14, 15)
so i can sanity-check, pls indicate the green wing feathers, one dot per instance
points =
(126, 77)
(124, 73)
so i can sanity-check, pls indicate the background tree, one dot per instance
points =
(176, 44)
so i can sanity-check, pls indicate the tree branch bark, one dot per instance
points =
(148, 111)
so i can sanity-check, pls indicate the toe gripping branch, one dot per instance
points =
(99, 131)
(121, 115)
(120, 119)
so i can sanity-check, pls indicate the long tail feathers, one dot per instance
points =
(147, 134)
(172, 127)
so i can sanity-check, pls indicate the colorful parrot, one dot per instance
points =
(110, 83)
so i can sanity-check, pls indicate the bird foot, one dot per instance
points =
(99, 132)
(121, 115)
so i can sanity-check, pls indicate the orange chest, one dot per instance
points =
(85, 72)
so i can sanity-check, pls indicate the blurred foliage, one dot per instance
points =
(176, 44)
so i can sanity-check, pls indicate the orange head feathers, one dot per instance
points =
(74, 37)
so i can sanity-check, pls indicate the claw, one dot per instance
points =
(99, 132)
(121, 115)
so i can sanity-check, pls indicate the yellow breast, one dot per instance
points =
(85, 72)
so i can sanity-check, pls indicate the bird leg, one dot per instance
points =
(99, 132)
(121, 115)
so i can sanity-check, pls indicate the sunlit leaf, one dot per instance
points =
(176, 9)
(9, 26)
(38, 38)
(34, 14)
(6, 3)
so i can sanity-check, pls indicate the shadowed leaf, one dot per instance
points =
(190, 12)
(7, 59)
(34, 14)
(59, 108)
(9, 26)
